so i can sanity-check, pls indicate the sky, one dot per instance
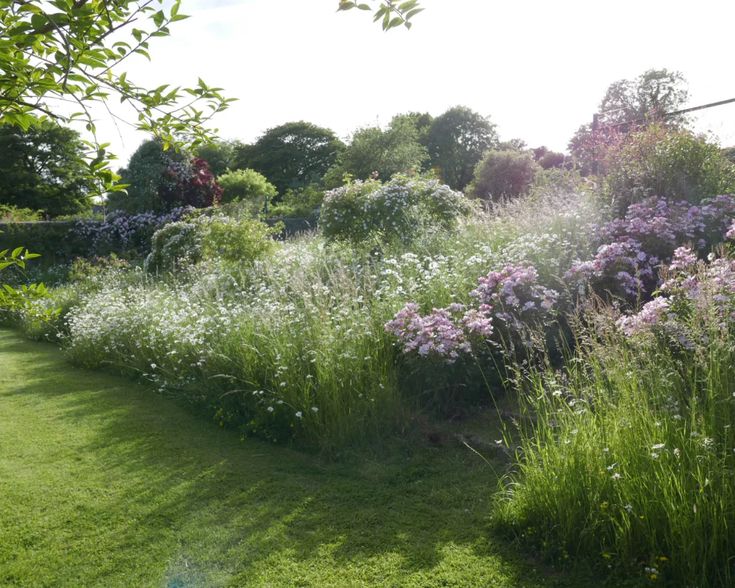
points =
(537, 69)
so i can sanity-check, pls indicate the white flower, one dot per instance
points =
(270, 409)
(299, 414)
(658, 446)
(616, 476)
(314, 409)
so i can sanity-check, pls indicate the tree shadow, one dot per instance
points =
(225, 508)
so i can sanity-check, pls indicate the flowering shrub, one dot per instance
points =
(240, 240)
(631, 248)
(665, 162)
(444, 334)
(122, 232)
(398, 210)
(174, 246)
(694, 293)
(661, 225)
(509, 303)
(621, 269)
(218, 237)
(189, 183)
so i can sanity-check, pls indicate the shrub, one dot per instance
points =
(248, 187)
(396, 211)
(173, 246)
(503, 174)
(13, 214)
(232, 240)
(659, 161)
(189, 183)
(237, 240)
(300, 203)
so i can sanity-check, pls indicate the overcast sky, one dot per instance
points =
(538, 69)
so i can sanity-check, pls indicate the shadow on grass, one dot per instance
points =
(226, 509)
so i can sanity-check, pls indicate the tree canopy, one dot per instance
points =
(72, 51)
(374, 151)
(457, 141)
(628, 105)
(43, 168)
(292, 155)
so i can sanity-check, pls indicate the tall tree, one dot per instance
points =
(628, 105)
(292, 155)
(220, 155)
(43, 168)
(163, 179)
(73, 50)
(457, 141)
(374, 151)
(644, 99)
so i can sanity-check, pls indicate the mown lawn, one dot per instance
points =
(104, 483)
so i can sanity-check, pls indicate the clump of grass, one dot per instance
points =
(630, 461)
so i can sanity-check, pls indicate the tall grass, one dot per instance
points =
(630, 461)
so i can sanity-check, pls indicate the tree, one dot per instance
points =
(43, 168)
(292, 155)
(504, 174)
(220, 155)
(72, 51)
(382, 153)
(628, 105)
(644, 99)
(457, 141)
(422, 121)
(548, 159)
(161, 179)
(247, 186)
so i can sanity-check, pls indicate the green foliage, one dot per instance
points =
(248, 187)
(72, 51)
(390, 14)
(457, 141)
(292, 155)
(161, 180)
(43, 168)
(220, 155)
(56, 242)
(144, 177)
(214, 238)
(504, 174)
(377, 153)
(659, 161)
(399, 210)
(174, 246)
(13, 214)
(629, 462)
(238, 241)
(302, 203)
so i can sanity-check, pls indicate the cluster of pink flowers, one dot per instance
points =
(731, 231)
(444, 333)
(631, 248)
(515, 291)
(652, 313)
(511, 297)
(621, 268)
(660, 225)
(694, 291)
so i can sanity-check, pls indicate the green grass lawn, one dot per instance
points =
(105, 483)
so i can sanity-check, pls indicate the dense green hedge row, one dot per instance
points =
(62, 241)
(55, 241)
